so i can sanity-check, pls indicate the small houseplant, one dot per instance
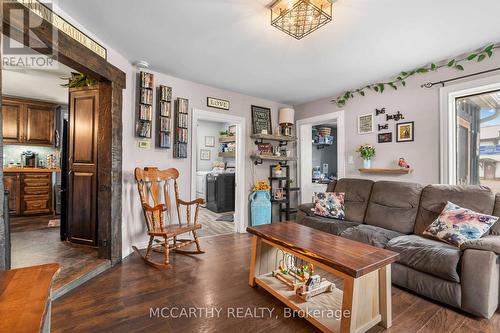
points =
(366, 152)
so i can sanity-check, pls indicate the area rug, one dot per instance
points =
(226, 218)
(54, 223)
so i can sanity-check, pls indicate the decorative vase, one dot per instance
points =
(367, 163)
(260, 207)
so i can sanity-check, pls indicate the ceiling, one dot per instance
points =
(230, 44)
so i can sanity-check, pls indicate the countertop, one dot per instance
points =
(30, 170)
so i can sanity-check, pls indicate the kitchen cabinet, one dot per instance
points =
(30, 191)
(12, 183)
(28, 121)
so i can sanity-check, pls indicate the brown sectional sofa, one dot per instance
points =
(393, 215)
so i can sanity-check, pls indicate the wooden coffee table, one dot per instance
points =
(365, 299)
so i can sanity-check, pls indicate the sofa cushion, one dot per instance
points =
(332, 226)
(329, 204)
(434, 198)
(394, 206)
(495, 229)
(307, 208)
(427, 255)
(370, 234)
(357, 193)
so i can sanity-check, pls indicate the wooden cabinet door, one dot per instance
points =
(39, 124)
(12, 183)
(12, 117)
(82, 175)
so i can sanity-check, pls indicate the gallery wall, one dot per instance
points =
(417, 104)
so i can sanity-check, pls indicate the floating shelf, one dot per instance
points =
(229, 139)
(228, 154)
(259, 158)
(283, 140)
(395, 171)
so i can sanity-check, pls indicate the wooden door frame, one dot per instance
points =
(112, 81)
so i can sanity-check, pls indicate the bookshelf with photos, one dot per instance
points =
(181, 128)
(164, 119)
(144, 117)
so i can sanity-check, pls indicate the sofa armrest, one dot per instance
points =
(486, 243)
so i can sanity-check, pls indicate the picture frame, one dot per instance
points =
(385, 137)
(261, 120)
(205, 154)
(366, 123)
(209, 141)
(405, 132)
(218, 103)
(232, 129)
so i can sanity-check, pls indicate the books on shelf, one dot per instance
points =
(180, 150)
(182, 120)
(165, 108)
(164, 140)
(146, 80)
(164, 124)
(146, 112)
(144, 129)
(182, 135)
(165, 93)
(146, 96)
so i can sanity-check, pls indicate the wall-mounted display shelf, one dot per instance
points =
(258, 159)
(396, 171)
(144, 113)
(181, 128)
(227, 154)
(227, 139)
(283, 140)
(164, 117)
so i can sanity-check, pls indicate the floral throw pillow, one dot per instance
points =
(456, 225)
(329, 204)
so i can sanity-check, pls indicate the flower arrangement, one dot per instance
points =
(366, 151)
(261, 185)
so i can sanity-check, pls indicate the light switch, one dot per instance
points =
(350, 159)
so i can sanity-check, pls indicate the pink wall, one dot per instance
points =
(417, 104)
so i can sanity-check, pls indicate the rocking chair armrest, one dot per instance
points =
(148, 208)
(198, 201)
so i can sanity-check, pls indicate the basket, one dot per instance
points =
(325, 131)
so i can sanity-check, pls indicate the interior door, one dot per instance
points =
(11, 117)
(39, 124)
(82, 166)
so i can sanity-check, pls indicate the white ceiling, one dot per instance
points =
(230, 44)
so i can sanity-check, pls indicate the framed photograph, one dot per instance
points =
(405, 132)
(232, 129)
(204, 154)
(385, 137)
(365, 123)
(209, 141)
(261, 120)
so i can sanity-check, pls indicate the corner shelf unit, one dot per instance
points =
(164, 117)
(284, 205)
(144, 108)
(181, 128)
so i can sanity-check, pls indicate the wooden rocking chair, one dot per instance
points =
(154, 189)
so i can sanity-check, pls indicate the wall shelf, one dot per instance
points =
(395, 171)
(282, 159)
(229, 139)
(228, 154)
(283, 140)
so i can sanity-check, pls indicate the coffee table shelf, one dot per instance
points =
(327, 304)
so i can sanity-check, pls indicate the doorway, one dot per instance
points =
(321, 152)
(217, 169)
(106, 180)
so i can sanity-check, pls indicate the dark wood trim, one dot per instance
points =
(112, 81)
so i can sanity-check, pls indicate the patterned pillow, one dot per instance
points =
(455, 225)
(329, 204)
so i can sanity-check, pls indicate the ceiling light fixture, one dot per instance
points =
(299, 18)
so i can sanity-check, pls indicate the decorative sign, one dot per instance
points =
(217, 103)
(365, 124)
(383, 127)
(204, 154)
(405, 132)
(58, 22)
(379, 111)
(261, 120)
(396, 117)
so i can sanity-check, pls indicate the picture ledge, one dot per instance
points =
(396, 171)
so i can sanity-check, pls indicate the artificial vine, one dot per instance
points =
(78, 80)
(400, 80)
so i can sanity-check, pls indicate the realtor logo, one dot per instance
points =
(31, 50)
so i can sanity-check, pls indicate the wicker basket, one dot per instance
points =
(325, 131)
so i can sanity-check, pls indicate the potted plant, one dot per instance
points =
(366, 152)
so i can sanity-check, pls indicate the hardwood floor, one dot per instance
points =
(121, 298)
(33, 243)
